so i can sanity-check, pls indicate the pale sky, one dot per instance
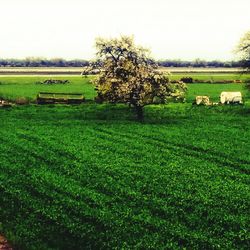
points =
(172, 29)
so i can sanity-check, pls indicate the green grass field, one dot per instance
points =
(15, 87)
(91, 177)
(211, 76)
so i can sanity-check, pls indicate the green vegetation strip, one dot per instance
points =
(14, 88)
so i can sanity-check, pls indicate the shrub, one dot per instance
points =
(21, 101)
(52, 81)
(247, 86)
(198, 81)
(187, 79)
(247, 80)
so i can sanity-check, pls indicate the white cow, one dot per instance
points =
(231, 97)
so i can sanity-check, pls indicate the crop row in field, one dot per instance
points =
(89, 176)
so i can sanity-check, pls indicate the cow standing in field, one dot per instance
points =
(231, 97)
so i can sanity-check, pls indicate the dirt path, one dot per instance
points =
(4, 244)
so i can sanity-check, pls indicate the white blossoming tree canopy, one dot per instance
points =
(127, 74)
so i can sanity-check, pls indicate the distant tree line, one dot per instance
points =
(200, 63)
(60, 62)
(43, 62)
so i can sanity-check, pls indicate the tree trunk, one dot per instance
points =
(139, 113)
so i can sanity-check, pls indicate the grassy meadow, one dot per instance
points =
(91, 177)
(15, 87)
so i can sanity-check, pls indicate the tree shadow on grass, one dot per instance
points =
(113, 113)
(119, 113)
